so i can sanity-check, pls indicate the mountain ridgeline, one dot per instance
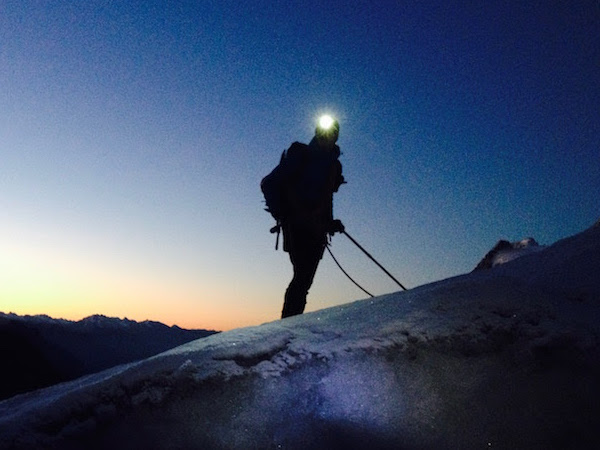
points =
(38, 351)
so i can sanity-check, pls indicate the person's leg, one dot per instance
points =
(305, 256)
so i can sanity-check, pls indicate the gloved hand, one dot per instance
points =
(336, 226)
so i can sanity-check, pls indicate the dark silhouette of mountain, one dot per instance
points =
(38, 351)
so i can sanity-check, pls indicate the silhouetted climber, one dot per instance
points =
(299, 195)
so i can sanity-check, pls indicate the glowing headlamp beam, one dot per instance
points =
(325, 122)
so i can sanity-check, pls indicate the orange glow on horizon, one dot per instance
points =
(34, 281)
(189, 319)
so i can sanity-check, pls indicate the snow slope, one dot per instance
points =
(500, 358)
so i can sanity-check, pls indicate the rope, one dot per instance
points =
(346, 273)
(374, 260)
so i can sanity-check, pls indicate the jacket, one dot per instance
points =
(314, 175)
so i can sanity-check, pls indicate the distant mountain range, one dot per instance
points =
(39, 351)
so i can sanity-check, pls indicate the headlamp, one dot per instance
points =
(325, 122)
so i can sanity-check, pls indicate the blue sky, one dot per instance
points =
(133, 137)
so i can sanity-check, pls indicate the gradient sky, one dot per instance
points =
(134, 135)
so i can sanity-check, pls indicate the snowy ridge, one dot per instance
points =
(505, 251)
(492, 358)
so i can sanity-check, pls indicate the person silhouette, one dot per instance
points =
(308, 176)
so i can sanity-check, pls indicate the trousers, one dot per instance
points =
(305, 253)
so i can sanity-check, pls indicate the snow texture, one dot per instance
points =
(500, 358)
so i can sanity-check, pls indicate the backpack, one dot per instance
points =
(274, 185)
